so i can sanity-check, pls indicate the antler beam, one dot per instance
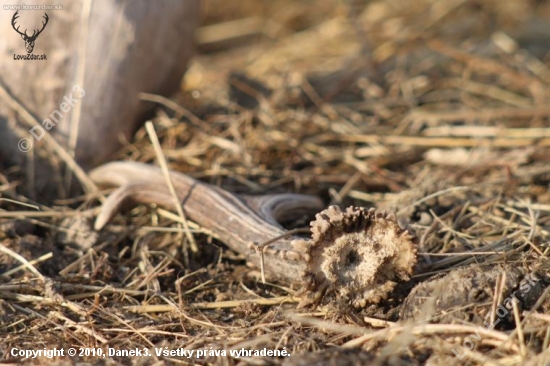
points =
(13, 19)
(358, 254)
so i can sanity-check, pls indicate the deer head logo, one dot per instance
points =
(29, 40)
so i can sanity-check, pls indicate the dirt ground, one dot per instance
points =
(437, 111)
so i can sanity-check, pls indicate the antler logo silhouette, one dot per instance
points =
(29, 40)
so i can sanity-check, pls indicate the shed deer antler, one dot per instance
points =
(358, 254)
(29, 40)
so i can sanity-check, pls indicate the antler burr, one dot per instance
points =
(357, 253)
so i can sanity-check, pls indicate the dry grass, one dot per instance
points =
(437, 110)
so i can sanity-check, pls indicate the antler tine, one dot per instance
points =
(15, 16)
(43, 24)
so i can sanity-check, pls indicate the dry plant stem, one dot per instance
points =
(164, 166)
(357, 254)
(241, 222)
(63, 155)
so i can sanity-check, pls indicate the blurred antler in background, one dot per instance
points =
(113, 50)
